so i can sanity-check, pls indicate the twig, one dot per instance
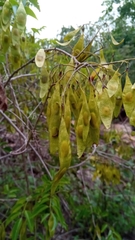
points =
(26, 141)
(17, 70)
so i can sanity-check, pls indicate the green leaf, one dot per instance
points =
(2, 232)
(12, 217)
(115, 42)
(2, 58)
(52, 223)
(30, 12)
(13, 2)
(16, 229)
(30, 221)
(35, 4)
(45, 217)
(38, 209)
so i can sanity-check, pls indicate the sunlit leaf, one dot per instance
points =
(30, 12)
(35, 4)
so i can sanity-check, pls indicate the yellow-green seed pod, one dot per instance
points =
(40, 58)
(15, 56)
(6, 40)
(113, 84)
(78, 46)
(132, 118)
(15, 36)
(53, 119)
(64, 155)
(67, 113)
(106, 108)
(118, 100)
(85, 53)
(82, 127)
(64, 146)
(44, 82)
(20, 18)
(128, 97)
(94, 129)
(6, 15)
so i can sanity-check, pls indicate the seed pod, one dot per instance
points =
(64, 155)
(78, 46)
(44, 82)
(106, 108)
(53, 119)
(21, 17)
(64, 146)
(112, 85)
(6, 40)
(118, 100)
(15, 56)
(85, 53)
(40, 58)
(6, 15)
(73, 103)
(15, 36)
(128, 97)
(132, 118)
(94, 128)
(82, 128)
(67, 113)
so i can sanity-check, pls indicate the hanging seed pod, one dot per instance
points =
(128, 97)
(132, 118)
(64, 146)
(44, 82)
(64, 155)
(78, 46)
(106, 108)
(67, 113)
(82, 128)
(112, 85)
(6, 15)
(40, 58)
(6, 40)
(94, 128)
(20, 18)
(15, 56)
(118, 100)
(85, 53)
(15, 36)
(73, 103)
(53, 119)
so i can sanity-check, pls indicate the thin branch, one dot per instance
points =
(22, 76)
(26, 141)
(87, 159)
(17, 70)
